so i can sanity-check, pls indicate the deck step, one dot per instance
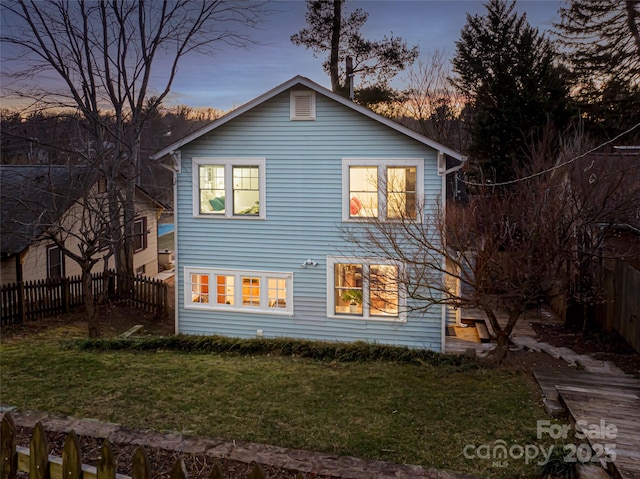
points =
(483, 332)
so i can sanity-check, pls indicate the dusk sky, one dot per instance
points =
(234, 76)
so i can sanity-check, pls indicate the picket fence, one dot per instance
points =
(31, 300)
(39, 464)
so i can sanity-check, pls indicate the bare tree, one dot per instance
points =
(65, 206)
(108, 56)
(505, 250)
(434, 103)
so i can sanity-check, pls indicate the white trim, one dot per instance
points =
(294, 97)
(228, 163)
(366, 262)
(238, 307)
(176, 249)
(300, 80)
(382, 164)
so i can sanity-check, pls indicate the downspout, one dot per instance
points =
(177, 165)
(443, 171)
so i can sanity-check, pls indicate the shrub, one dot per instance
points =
(319, 350)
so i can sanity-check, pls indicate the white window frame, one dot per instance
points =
(228, 164)
(365, 316)
(381, 164)
(294, 95)
(264, 276)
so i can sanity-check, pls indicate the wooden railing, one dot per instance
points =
(36, 461)
(31, 300)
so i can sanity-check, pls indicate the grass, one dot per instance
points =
(404, 413)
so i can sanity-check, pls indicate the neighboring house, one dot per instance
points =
(33, 198)
(261, 196)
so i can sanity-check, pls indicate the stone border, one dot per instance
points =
(344, 467)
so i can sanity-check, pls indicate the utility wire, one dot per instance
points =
(555, 167)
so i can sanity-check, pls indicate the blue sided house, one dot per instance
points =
(261, 198)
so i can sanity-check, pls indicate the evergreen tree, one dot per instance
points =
(376, 62)
(601, 39)
(516, 92)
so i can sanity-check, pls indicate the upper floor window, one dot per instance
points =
(258, 291)
(229, 187)
(385, 189)
(55, 262)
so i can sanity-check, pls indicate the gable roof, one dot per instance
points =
(295, 81)
(33, 197)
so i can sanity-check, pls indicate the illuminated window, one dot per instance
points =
(365, 289)
(246, 190)
(348, 288)
(401, 192)
(229, 188)
(385, 189)
(251, 291)
(212, 190)
(383, 290)
(225, 292)
(277, 293)
(363, 191)
(199, 288)
(248, 291)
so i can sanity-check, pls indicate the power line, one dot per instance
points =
(555, 167)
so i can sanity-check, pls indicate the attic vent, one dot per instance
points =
(303, 105)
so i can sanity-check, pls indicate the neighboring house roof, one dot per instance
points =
(34, 197)
(302, 81)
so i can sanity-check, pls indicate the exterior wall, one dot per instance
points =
(149, 256)
(303, 220)
(8, 270)
(34, 260)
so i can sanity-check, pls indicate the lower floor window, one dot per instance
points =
(363, 288)
(262, 291)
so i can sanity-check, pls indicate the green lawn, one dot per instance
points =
(379, 410)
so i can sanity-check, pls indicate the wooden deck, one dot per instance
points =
(467, 338)
(594, 400)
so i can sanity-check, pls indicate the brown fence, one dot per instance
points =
(625, 291)
(31, 300)
(36, 461)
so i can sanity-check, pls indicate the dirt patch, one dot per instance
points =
(113, 320)
(600, 346)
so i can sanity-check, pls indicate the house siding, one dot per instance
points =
(303, 220)
(34, 259)
(8, 270)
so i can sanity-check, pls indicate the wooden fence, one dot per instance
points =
(36, 461)
(31, 300)
(621, 311)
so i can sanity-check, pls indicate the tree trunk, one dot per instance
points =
(90, 303)
(503, 333)
(502, 347)
(335, 45)
(125, 221)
